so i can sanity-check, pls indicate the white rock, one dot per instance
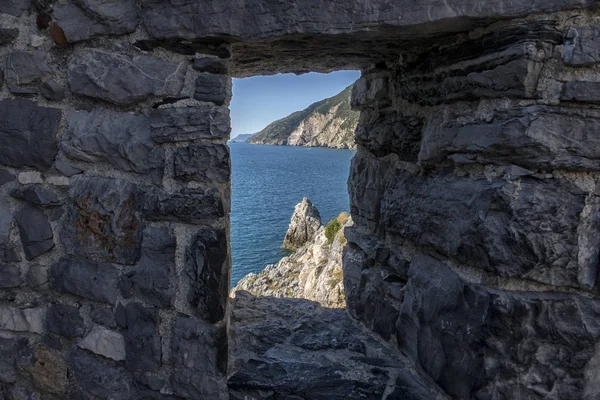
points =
(37, 41)
(30, 177)
(104, 342)
(58, 180)
(304, 225)
(22, 320)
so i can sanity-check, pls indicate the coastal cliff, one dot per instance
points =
(314, 270)
(327, 123)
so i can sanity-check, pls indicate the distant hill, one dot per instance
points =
(243, 138)
(327, 123)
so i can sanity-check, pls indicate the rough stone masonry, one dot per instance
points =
(474, 256)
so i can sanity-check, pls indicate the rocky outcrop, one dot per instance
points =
(313, 271)
(328, 123)
(305, 222)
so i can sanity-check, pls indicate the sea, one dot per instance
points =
(267, 183)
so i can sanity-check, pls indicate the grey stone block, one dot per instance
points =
(10, 276)
(176, 124)
(101, 379)
(192, 206)
(37, 276)
(124, 80)
(22, 320)
(103, 316)
(35, 231)
(214, 88)
(104, 342)
(119, 139)
(65, 320)
(52, 91)
(103, 223)
(22, 67)
(214, 65)
(15, 7)
(142, 341)
(582, 47)
(202, 162)
(207, 265)
(152, 279)
(6, 177)
(37, 194)
(494, 224)
(198, 349)
(86, 19)
(581, 91)
(30, 132)
(384, 133)
(87, 279)
(7, 36)
(533, 137)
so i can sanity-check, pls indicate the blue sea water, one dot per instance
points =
(267, 183)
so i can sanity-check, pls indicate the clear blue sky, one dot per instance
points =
(260, 100)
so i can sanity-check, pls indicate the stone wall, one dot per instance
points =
(475, 250)
(474, 194)
(114, 208)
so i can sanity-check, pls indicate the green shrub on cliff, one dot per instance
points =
(332, 228)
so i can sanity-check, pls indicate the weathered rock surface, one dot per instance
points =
(274, 341)
(581, 45)
(120, 139)
(390, 132)
(533, 137)
(504, 63)
(85, 19)
(478, 222)
(35, 231)
(176, 124)
(206, 264)
(91, 280)
(461, 335)
(124, 80)
(47, 369)
(202, 162)
(29, 131)
(103, 223)
(305, 222)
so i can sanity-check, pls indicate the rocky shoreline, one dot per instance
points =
(313, 271)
